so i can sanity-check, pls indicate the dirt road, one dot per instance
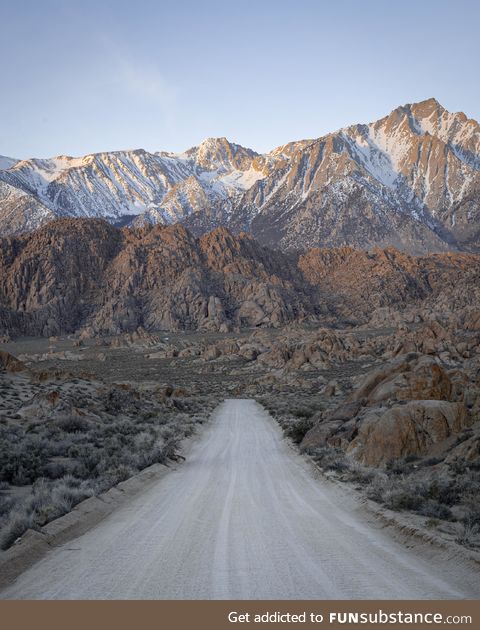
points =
(243, 518)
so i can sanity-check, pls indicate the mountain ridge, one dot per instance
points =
(410, 179)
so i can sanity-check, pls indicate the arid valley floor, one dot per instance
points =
(364, 404)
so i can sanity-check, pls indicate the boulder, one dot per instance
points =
(211, 353)
(9, 363)
(408, 429)
(327, 425)
(471, 320)
(276, 357)
(409, 377)
(250, 314)
(250, 351)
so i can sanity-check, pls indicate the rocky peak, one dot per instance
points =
(430, 119)
(220, 247)
(425, 109)
(410, 180)
(214, 153)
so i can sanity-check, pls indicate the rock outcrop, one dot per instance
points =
(86, 275)
(411, 406)
(9, 363)
(403, 430)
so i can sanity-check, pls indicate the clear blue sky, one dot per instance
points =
(85, 76)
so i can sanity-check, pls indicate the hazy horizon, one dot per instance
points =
(92, 77)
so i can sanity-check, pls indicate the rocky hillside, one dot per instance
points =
(379, 283)
(410, 180)
(86, 274)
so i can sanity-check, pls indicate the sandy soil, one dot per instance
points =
(243, 518)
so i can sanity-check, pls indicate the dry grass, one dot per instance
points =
(71, 456)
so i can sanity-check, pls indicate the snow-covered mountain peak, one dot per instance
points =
(412, 174)
(215, 153)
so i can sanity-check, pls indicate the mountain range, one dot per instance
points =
(410, 180)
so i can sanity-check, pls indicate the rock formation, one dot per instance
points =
(88, 276)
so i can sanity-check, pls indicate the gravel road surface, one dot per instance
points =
(243, 518)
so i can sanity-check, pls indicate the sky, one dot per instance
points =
(82, 77)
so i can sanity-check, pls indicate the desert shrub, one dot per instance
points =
(399, 499)
(180, 404)
(198, 419)
(469, 533)
(55, 470)
(169, 450)
(435, 510)
(297, 429)
(6, 504)
(443, 490)
(329, 458)
(148, 415)
(144, 440)
(120, 400)
(429, 498)
(47, 500)
(72, 424)
(471, 507)
(378, 487)
(157, 455)
(22, 463)
(168, 432)
(65, 497)
(431, 523)
(80, 398)
(397, 467)
(121, 473)
(88, 461)
(303, 411)
(360, 474)
(68, 458)
(71, 481)
(16, 525)
(189, 429)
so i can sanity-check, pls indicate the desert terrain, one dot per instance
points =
(386, 413)
(243, 518)
(352, 319)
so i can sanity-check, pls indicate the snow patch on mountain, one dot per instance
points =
(419, 164)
